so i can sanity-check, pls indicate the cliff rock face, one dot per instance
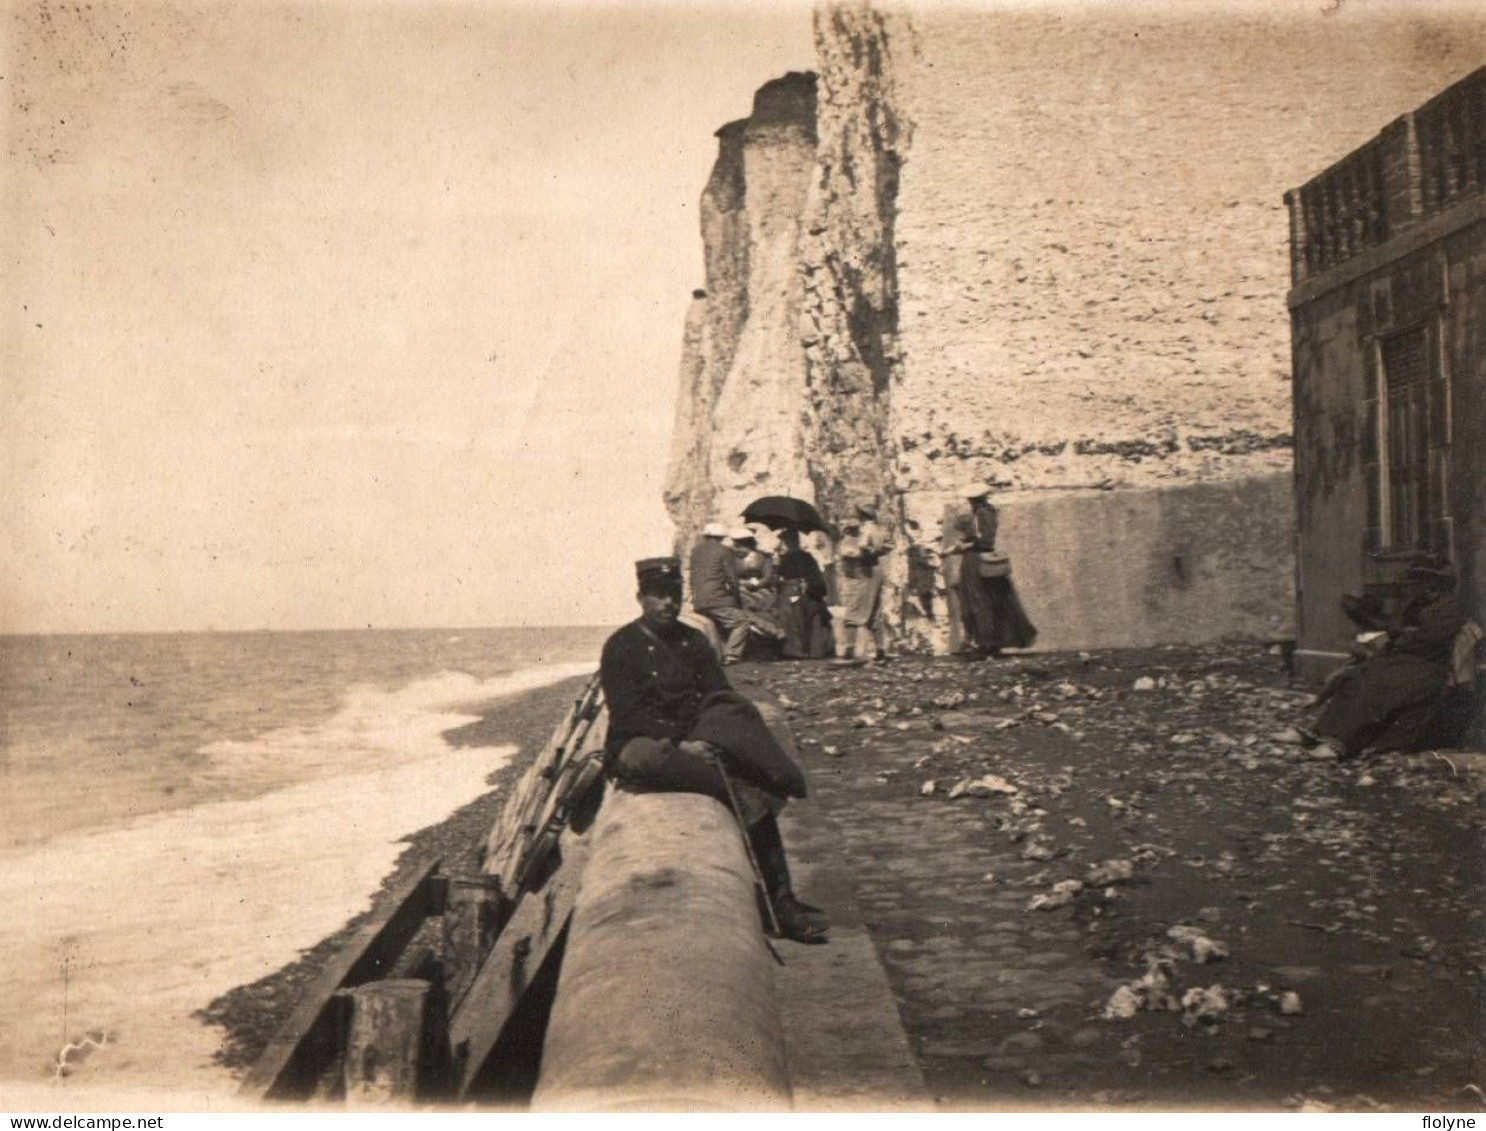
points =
(848, 259)
(1047, 250)
(739, 418)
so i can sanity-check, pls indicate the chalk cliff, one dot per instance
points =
(739, 418)
(1047, 250)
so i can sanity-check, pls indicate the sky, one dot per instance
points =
(344, 314)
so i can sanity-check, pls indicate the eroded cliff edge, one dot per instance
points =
(739, 417)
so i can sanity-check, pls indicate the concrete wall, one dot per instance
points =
(666, 998)
(1131, 568)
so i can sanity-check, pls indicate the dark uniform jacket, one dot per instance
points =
(654, 684)
(714, 576)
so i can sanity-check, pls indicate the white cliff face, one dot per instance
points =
(739, 418)
(1049, 251)
(848, 259)
(757, 441)
(713, 324)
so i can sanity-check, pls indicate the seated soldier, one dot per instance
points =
(675, 722)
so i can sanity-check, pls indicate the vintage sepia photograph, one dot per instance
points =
(695, 556)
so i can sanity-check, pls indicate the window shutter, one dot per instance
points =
(1371, 469)
(1441, 533)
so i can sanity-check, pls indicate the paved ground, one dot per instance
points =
(1239, 925)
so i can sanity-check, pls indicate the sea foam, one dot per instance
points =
(129, 931)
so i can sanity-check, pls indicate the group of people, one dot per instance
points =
(677, 725)
(776, 603)
(675, 722)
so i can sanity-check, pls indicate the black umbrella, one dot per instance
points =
(775, 511)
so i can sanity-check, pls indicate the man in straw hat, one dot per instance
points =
(675, 723)
(714, 589)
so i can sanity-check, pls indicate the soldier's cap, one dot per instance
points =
(975, 490)
(867, 511)
(742, 534)
(658, 574)
(714, 530)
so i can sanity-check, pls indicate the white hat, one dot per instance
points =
(974, 491)
(739, 533)
(714, 530)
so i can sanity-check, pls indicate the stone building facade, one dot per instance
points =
(1045, 248)
(1388, 316)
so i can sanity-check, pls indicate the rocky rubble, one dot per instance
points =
(1112, 871)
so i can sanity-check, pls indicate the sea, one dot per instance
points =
(183, 813)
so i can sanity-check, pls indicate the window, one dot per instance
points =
(1407, 446)
(1407, 522)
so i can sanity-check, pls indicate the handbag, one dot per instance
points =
(993, 563)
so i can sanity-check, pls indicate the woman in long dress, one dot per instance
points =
(802, 602)
(990, 610)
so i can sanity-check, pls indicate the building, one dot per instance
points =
(1388, 325)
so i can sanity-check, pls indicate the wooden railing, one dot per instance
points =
(1345, 210)
(1451, 136)
(1418, 166)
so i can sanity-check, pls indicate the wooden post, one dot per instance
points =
(312, 1039)
(384, 1050)
(470, 925)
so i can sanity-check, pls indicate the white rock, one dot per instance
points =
(1111, 872)
(1051, 901)
(1202, 948)
(986, 786)
(1208, 1004)
(1122, 1005)
(1144, 683)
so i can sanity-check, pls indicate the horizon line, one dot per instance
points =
(255, 631)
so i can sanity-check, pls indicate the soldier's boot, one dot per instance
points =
(798, 920)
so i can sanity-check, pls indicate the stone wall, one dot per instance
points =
(1049, 249)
